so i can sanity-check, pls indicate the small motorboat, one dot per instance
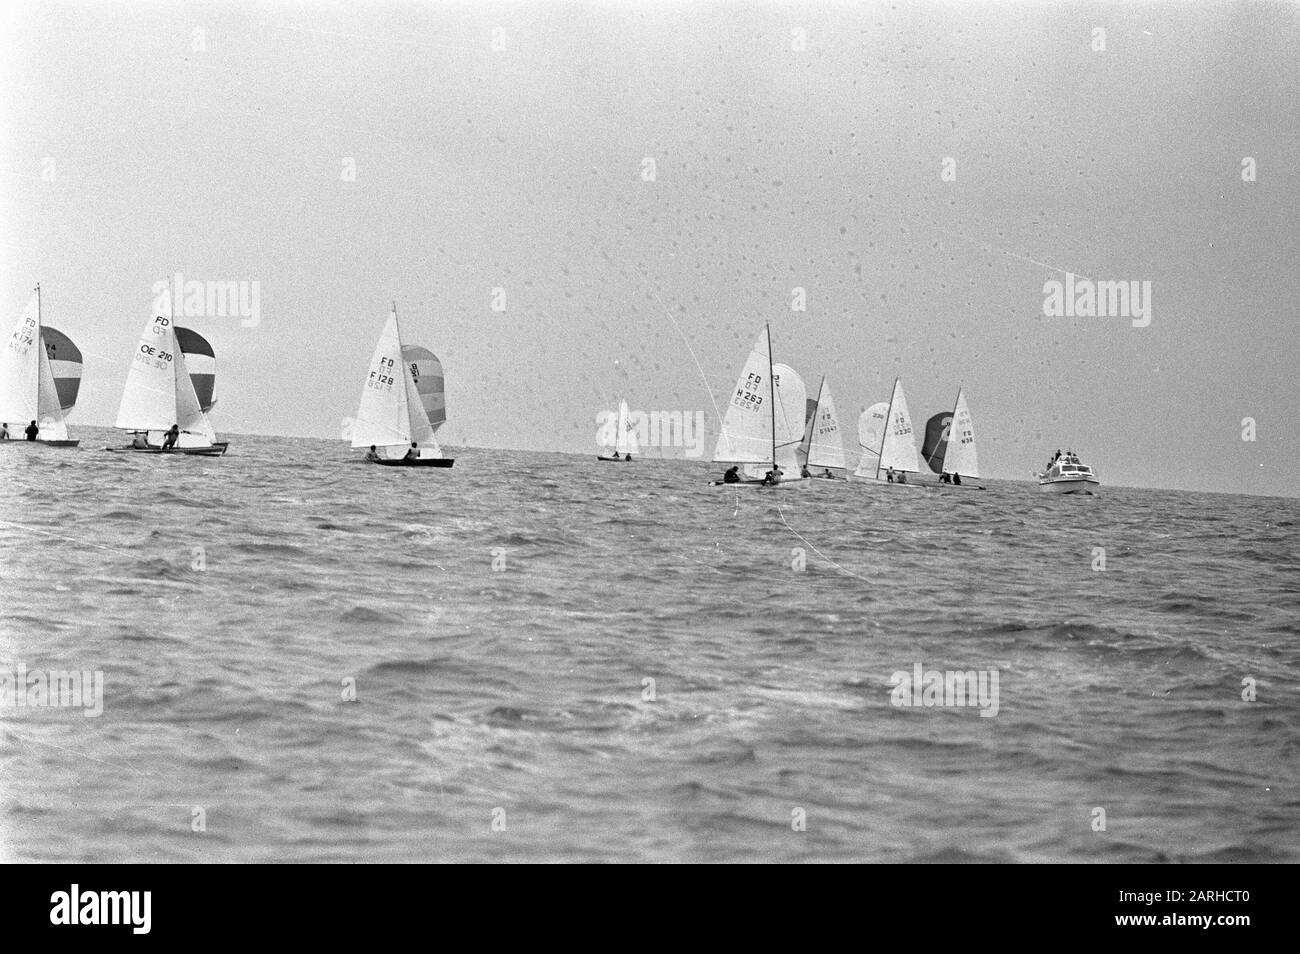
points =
(1067, 475)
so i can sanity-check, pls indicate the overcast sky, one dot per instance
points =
(141, 140)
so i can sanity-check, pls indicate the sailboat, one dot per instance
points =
(822, 447)
(160, 393)
(949, 445)
(625, 442)
(402, 402)
(763, 424)
(885, 435)
(29, 391)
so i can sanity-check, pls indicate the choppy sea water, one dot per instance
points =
(506, 713)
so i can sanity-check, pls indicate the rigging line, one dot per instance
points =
(59, 536)
(703, 377)
(781, 514)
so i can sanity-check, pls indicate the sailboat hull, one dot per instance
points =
(417, 462)
(40, 442)
(213, 450)
(621, 460)
(882, 482)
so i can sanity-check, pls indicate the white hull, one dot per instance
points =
(1072, 486)
(912, 482)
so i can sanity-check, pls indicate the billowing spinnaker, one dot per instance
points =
(195, 429)
(426, 372)
(791, 403)
(935, 444)
(625, 441)
(201, 361)
(382, 416)
(65, 365)
(899, 451)
(149, 397)
(871, 434)
(418, 419)
(746, 435)
(826, 446)
(961, 457)
(20, 368)
(49, 415)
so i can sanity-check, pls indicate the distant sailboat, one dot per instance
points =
(763, 424)
(949, 445)
(402, 402)
(161, 393)
(891, 432)
(625, 440)
(29, 390)
(822, 447)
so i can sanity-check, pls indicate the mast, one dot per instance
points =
(771, 388)
(952, 423)
(884, 434)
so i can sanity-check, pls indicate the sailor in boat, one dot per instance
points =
(945, 478)
(31, 431)
(371, 454)
(956, 479)
(732, 476)
(889, 475)
(173, 435)
(772, 476)
(4, 432)
(616, 457)
(804, 472)
(414, 452)
(827, 473)
(902, 477)
(140, 440)
(627, 456)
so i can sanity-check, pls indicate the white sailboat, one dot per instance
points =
(393, 418)
(29, 395)
(823, 448)
(625, 439)
(949, 444)
(895, 443)
(159, 394)
(763, 424)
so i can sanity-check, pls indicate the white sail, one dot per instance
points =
(383, 418)
(899, 447)
(625, 441)
(195, 429)
(871, 434)
(49, 412)
(960, 457)
(746, 435)
(149, 397)
(791, 402)
(825, 445)
(20, 369)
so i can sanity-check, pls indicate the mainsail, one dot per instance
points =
(871, 435)
(20, 368)
(825, 448)
(746, 435)
(149, 397)
(961, 457)
(899, 447)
